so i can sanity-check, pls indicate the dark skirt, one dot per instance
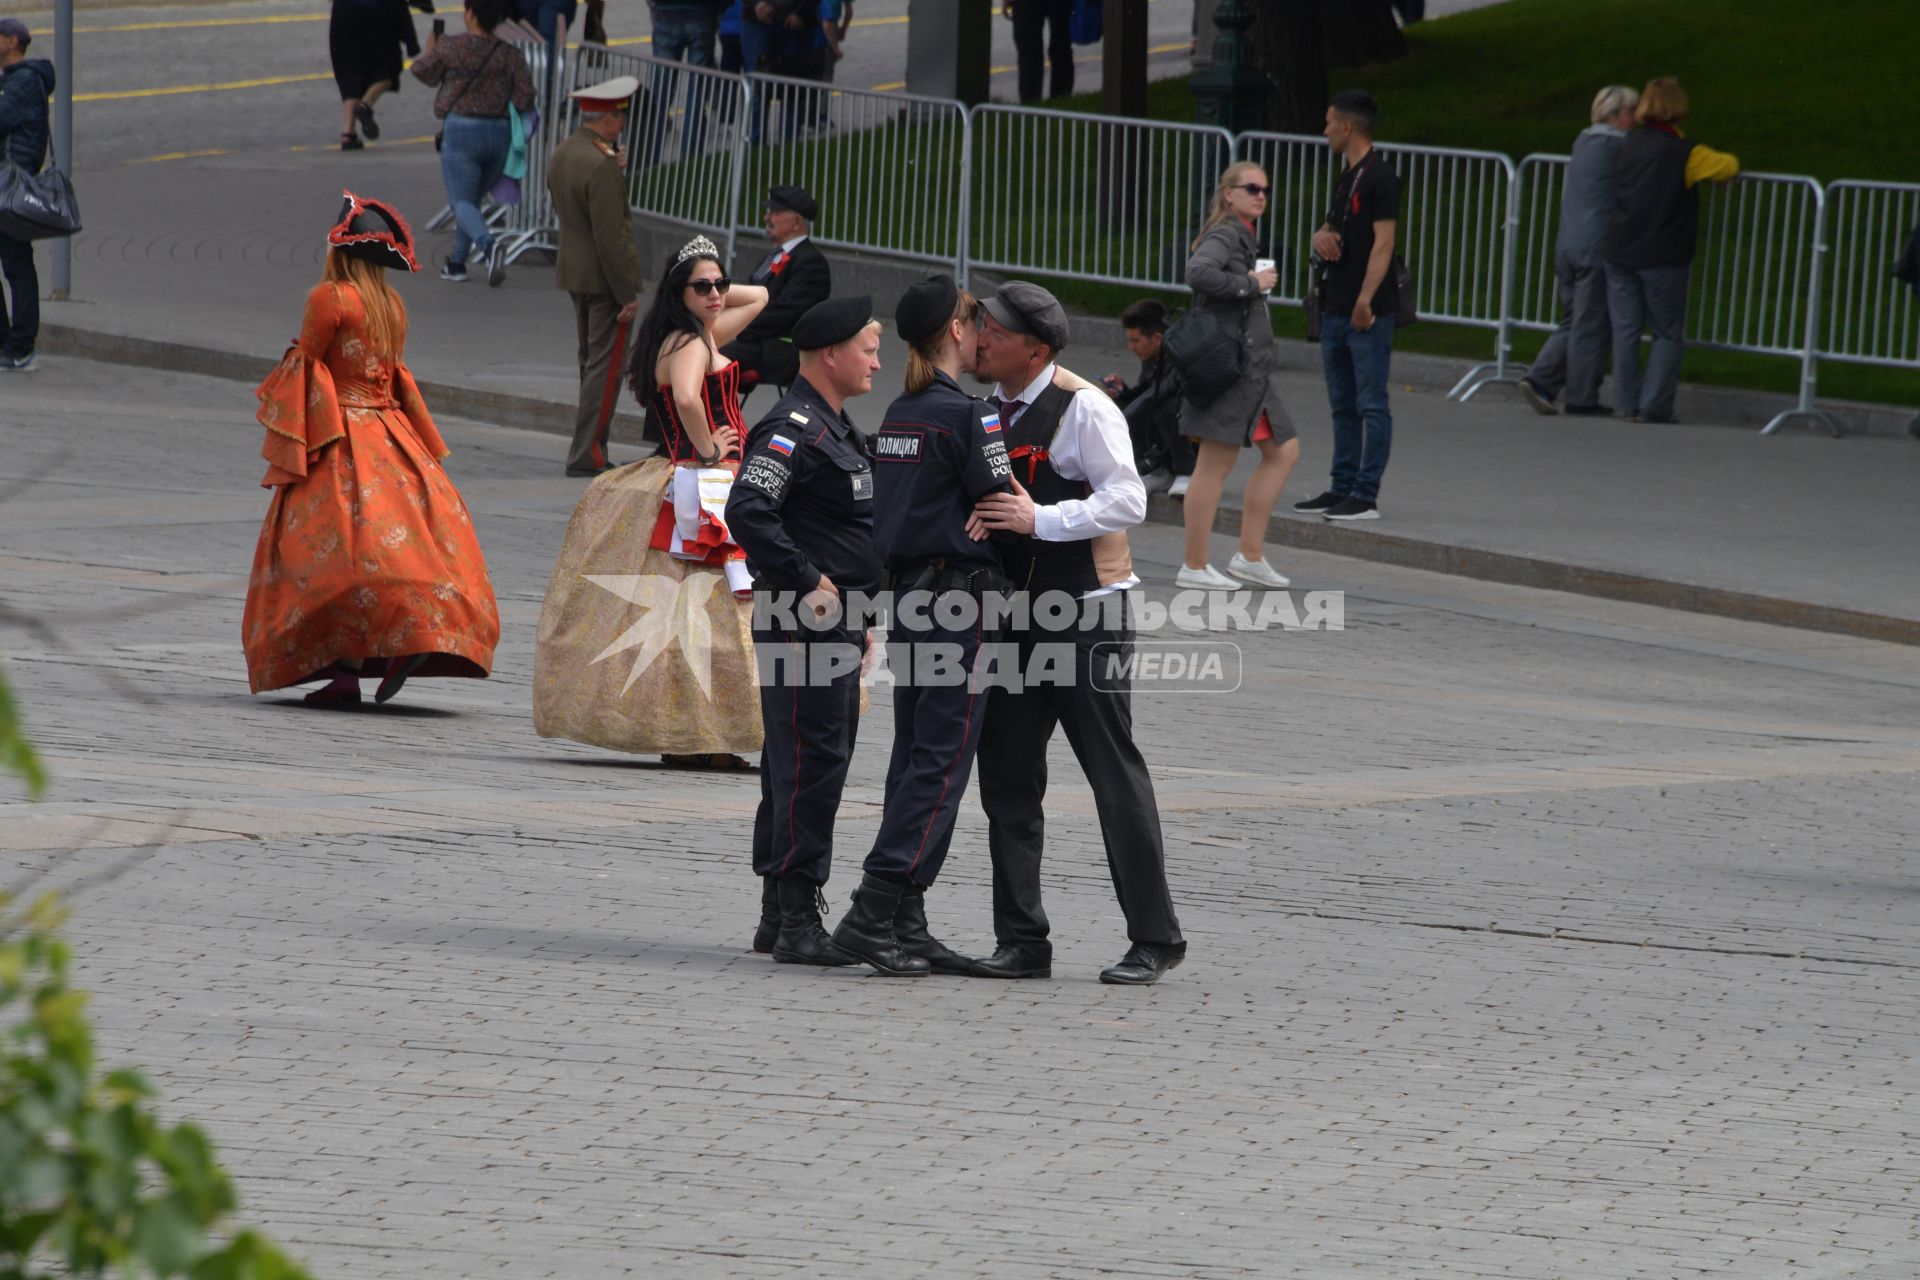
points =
(364, 49)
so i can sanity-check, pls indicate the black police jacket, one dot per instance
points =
(802, 505)
(937, 453)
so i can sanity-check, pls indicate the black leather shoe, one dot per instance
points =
(1144, 963)
(866, 931)
(769, 917)
(1012, 962)
(802, 939)
(910, 929)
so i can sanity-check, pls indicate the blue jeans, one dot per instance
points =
(473, 155)
(23, 282)
(1356, 366)
(680, 37)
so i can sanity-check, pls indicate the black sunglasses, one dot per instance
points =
(1255, 189)
(705, 287)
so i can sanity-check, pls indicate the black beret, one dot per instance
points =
(1026, 308)
(794, 200)
(829, 323)
(925, 308)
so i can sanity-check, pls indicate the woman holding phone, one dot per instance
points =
(1229, 280)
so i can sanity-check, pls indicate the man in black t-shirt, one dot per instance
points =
(1357, 304)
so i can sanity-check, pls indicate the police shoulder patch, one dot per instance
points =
(799, 417)
(766, 473)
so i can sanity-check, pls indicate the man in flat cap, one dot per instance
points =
(26, 85)
(599, 262)
(1063, 530)
(802, 509)
(797, 276)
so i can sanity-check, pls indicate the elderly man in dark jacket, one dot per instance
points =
(25, 86)
(1575, 357)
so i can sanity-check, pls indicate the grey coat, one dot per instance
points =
(1219, 273)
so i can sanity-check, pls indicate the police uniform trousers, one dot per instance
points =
(1096, 712)
(937, 719)
(810, 719)
(603, 363)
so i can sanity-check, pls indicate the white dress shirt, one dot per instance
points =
(1094, 445)
(788, 246)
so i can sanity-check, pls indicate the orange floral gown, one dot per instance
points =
(367, 550)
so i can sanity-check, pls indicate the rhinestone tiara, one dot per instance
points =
(698, 247)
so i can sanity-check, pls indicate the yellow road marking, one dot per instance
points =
(895, 86)
(197, 23)
(176, 155)
(262, 83)
(397, 142)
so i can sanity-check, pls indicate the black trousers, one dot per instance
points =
(1040, 35)
(810, 715)
(938, 711)
(23, 282)
(1098, 721)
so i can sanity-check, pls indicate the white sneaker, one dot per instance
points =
(1207, 579)
(1258, 572)
(1178, 489)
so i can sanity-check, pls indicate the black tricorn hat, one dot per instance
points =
(373, 231)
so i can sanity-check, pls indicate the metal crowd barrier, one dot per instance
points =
(1116, 201)
(890, 170)
(1302, 171)
(530, 224)
(1865, 315)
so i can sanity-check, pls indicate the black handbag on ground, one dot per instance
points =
(37, 206)
(1208, 359)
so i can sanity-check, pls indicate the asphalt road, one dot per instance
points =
(160, 83)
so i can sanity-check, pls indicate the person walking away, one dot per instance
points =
(1161, 452)
(1650, 242)
(26, 87)
(1575, 356)
(367, 564)
(803, 509)
(798, 278)
(364, 38)
(1062, 529)
(683, 31)
(598, 262)
(938, 452)
(1040, 36)
(1357, 305)
(478, 75)
(1226, 279)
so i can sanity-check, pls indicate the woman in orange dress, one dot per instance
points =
(367, 563)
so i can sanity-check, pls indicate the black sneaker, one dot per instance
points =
(1542, 402)
(1314, 506)
(1588, 411)
(368, 125)
(1353, 509)
(351, 142)
(454, 272)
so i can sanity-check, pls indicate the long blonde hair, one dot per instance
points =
(920, 356)
(1235, 175)
(386, 313)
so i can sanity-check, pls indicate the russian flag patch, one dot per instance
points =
(990, 423)
(781, 445)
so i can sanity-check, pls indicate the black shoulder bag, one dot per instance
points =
(1208, 359)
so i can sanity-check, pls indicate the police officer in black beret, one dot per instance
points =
(802, 509)
(937, 453)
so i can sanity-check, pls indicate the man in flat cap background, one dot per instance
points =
(797, 277)
(26, 84)
(599, 261)
(1064, 529)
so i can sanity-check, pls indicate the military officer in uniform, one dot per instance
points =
(937, 453)
(1065, 531)
(802, 509)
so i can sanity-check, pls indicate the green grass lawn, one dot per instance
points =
(1790, 86)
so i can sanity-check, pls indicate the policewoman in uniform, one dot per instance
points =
(937, 453)
(1063, 528)
(802, 509)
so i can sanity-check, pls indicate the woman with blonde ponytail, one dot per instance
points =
(367, 564)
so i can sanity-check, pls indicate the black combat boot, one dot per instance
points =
(769, 917)
(910, 928)
(802, 939)
(866, 931)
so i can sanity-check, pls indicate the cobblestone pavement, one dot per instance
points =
(1532, 936)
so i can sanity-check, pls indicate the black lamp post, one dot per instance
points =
(1232, 93)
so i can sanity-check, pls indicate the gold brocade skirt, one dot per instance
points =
(639, 650)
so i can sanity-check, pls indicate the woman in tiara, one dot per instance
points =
(367, 564)
(645, 640)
